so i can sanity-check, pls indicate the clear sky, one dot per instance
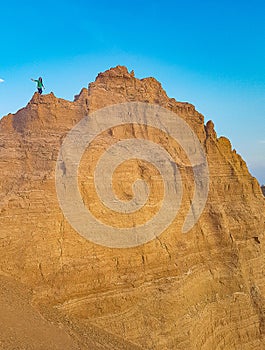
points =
(209, 53)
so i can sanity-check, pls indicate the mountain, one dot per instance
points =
(203, 289)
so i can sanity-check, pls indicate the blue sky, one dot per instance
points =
(209, 53)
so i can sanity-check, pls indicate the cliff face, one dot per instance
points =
(201, 290)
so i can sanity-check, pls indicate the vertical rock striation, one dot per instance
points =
(204, 290)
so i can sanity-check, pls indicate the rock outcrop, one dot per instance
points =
(201, 290)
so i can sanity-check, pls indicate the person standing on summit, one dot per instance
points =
(39, 84)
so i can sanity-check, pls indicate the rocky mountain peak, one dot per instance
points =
(200, 290)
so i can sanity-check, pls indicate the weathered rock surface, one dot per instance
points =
(204, 290)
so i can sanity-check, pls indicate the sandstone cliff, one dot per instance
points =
(204, 290)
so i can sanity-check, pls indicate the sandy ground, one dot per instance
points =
(23, 327)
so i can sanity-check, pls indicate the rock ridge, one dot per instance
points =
(204, 290)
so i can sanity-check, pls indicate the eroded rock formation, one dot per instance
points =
(201, 290)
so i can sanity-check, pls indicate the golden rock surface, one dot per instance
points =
(201, 290)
